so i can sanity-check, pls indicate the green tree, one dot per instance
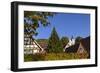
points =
(64, 41)
(78, 39)
(54, 44)
(33, 20)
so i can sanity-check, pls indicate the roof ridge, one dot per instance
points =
(38, 45)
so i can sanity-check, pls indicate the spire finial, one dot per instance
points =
(72, 38)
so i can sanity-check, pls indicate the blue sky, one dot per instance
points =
(66, 24)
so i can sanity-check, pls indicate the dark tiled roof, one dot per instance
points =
(85, 43)
(43, 43)
(72, 49)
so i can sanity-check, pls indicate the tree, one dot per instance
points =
(54, 44)
(33, 20)
(78, 39)
(64, 41)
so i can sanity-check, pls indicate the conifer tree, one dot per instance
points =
(54, 44)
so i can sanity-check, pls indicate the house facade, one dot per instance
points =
(31, 46)
(84, 46)
(80, 48)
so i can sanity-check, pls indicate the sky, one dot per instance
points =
(66, 24)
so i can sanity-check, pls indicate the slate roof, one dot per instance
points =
(72, 49)
(85, 43)
(43, 43)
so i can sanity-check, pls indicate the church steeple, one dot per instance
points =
(70, 43)
(72, 38)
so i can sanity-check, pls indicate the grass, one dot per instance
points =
(54, 56)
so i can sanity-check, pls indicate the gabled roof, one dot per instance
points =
(38, 45)
(31, 40)
(85, 42)
(43, 43)
(72, 49)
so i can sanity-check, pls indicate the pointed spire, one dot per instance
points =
(72, 38)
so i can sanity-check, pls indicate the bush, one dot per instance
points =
(64, 56)
(35, 57)
(54, 56)
(38, 57)
(28, 57)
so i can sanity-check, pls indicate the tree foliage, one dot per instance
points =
(78, 39)
(64, 41)
(33, 20)
(54, 44)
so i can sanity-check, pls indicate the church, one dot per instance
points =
(70, 43)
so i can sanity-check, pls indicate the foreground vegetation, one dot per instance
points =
(54, 56)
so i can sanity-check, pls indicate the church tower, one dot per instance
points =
(70, 43)
(72, 40)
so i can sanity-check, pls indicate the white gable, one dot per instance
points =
(33, 48)
(70, 43)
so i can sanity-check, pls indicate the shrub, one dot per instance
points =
(64, 56)
(38, 57)
(54, 56)
(28, 57)
(35, 57)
